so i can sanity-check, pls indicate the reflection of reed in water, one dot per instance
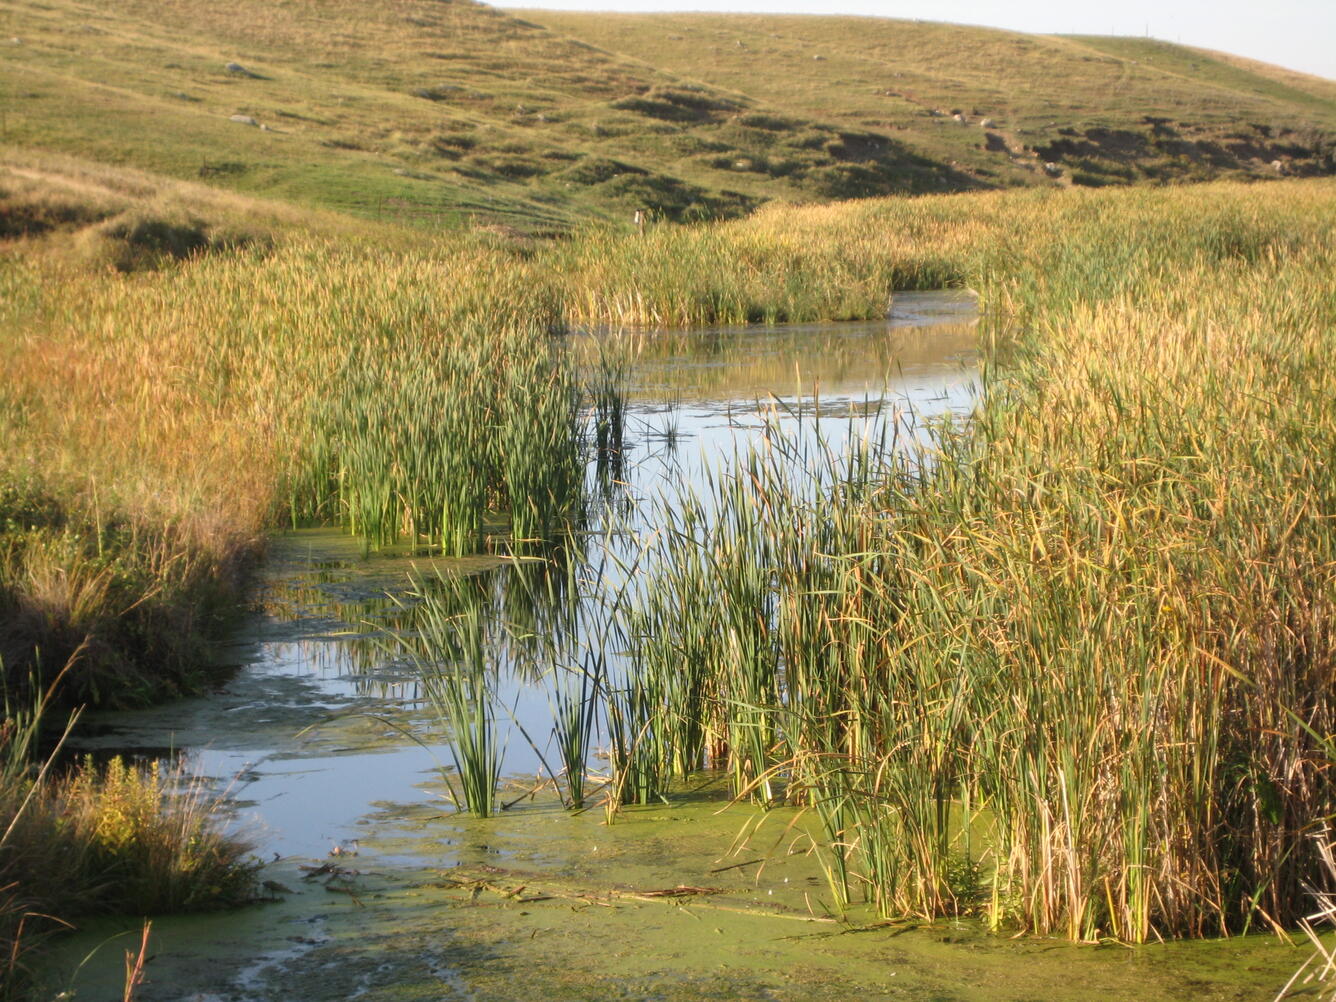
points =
(475, 640)
(746, 363)
(358, 617)
(453, 650)
(535, 595)
(607, 383)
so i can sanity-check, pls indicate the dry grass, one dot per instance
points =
(1071, 670)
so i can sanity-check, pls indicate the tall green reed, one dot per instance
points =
(1041, 669)
(452, 652)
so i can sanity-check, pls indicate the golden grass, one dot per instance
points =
(1137, 520)
(1072, 670)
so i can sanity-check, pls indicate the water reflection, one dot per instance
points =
(327, 716)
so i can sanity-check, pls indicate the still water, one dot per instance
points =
(309, 731)
(332, 762)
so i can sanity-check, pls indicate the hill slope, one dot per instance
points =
(998, 104)
(446, 113)
(421, 108)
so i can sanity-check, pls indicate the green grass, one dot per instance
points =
(1068, 670)
(455, 116)
(903, 81)
(439, 116)
(452, 651)
(1229, 74)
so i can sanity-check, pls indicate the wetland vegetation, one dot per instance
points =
(1064, 667)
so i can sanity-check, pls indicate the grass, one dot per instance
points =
(168, 411)
(419, 118)
(1045, 676)
(435, 419)
(1220, 70)
(115, 838)
(454, 117)
(1068, 671)
(288, 380)
(904, 81)
(106, 216)
(452, 652)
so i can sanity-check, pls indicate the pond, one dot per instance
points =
(328, 754)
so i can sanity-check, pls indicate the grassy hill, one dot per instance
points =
(421, 110)
(997, 105)
(445, 114)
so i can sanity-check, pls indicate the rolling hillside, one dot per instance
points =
(443, 114)
(995, 105)
(420, 109)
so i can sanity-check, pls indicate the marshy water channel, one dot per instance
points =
(342, 737)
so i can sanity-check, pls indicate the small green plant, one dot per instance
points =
(151, 829)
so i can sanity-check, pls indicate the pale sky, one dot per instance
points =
(1299, 34)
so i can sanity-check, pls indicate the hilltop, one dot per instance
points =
(444, 114)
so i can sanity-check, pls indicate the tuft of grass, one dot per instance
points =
(452, 653)
(118, 838)
(149, 831)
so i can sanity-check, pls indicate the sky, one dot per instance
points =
(1298, 34)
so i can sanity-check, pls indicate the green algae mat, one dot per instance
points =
(690, 900)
